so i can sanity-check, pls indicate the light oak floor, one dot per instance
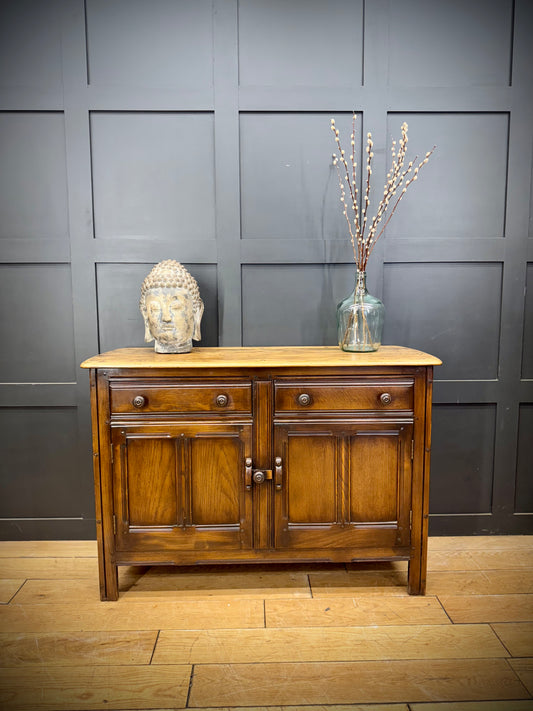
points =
(305, 638)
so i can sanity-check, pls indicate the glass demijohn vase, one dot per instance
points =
(360, 318)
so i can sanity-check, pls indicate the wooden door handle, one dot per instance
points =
(248, 474)
(278, 474)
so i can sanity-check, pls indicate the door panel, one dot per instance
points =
(343, 487)
(373, 476)
(151, 466)
(216, 478)
(182, 487)
(311, 488)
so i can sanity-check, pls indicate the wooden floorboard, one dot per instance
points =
(488, 608)
(75, 648)
(328, 645)
(524, 705)
(93, 687)
(123, 615)
(48, 549)
(354, 682)
(479, 543)
(61, 568)
(480, 560)
(361, 610)
(269, 638)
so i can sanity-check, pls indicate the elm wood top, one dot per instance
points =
(262, 357)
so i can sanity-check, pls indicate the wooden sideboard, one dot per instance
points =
(261, 454)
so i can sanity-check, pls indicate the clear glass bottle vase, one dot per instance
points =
(360, 318)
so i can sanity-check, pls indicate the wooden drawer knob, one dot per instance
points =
(386, 398)
(139, 401)
(304, 399)
(222, 400)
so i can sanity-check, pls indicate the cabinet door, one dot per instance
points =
(343, 487)
(182, 487)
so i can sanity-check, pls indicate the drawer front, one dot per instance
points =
(344, 396)
(214, 398)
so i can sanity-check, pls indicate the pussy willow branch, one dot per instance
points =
(345, 212)
(404, 190)
(395, 178)
(352, 187)
(398, 178)
(369, 156)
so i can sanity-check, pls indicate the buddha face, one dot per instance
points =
(171, 318)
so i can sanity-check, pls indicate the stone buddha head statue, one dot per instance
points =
(171, 308)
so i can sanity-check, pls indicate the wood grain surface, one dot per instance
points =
(273, 356)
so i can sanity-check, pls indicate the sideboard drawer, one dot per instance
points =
(341, 396)
(213, 398)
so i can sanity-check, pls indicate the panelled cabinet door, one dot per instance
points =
(343, 487)
(182, 487)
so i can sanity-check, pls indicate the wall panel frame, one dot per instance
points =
(136, 132)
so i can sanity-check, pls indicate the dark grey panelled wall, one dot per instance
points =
(137, 130)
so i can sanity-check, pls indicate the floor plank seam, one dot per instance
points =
(508, 662)
(309, 588)
(17, 591)
(193, 666)
(444, 609)
(154, 647)
(511, 655)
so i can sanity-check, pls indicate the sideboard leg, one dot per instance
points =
(417, 571)
(110, 592)
(107, 570)
(413, 583)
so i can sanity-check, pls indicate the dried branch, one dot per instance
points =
(399, 177)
